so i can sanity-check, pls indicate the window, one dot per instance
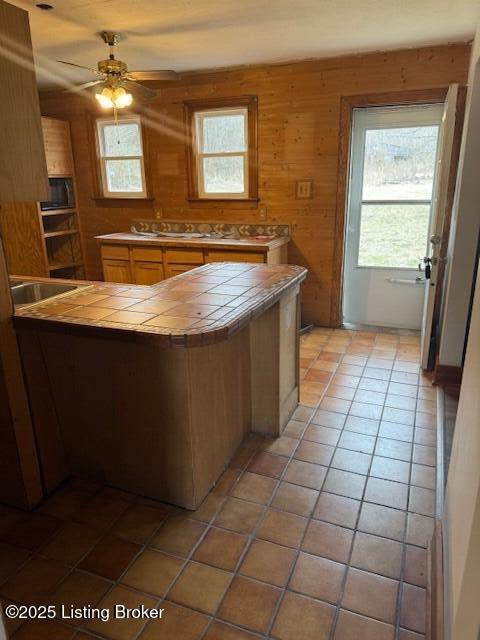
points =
(222, 150)
(120, 153)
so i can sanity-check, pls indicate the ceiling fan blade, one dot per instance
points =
(85, 85)
(134, 86)
(79, 66)
(152, 75)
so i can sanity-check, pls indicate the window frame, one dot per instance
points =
(243, 104)
(102, 160)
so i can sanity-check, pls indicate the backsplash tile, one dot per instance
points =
(246, 230)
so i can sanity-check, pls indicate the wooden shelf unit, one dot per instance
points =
(38, 243)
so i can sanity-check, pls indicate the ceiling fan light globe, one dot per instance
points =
(122, 98)
(105, 98)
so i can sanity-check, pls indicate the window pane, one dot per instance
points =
(399, 163)
(393, 235)
(223, 175)
(124, 175)
(223, 133)
(122, 140)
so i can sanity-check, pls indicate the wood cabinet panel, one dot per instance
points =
(56, 139)
(147, 254)
(117, 271)
(174, 269)
(235, 256)
(184, 256)
(147, 272)
(115, 252)
(23, 171)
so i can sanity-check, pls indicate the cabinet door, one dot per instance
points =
(147, 272)
(235, 256)
(174, 269)
(56, 138)
(117, 271)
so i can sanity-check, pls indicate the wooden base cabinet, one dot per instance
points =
(133, 264)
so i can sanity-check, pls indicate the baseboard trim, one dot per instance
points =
(446, 374)
(435, 602)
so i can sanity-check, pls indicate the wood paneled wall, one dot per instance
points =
(298, 133)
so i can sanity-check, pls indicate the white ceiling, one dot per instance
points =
(200, 34)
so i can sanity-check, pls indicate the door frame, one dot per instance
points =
(347, 105)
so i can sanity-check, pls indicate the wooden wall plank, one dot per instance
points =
(299, 107)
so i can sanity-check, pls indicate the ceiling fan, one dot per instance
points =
(114, 81)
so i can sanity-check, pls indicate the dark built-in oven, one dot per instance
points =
(61, 194)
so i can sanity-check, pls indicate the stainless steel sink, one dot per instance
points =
(29, 292)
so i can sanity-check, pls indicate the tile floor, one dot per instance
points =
(320, 534)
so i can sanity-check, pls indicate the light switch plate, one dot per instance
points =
(304, 189)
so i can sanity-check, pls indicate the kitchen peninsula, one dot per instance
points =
(154, 387)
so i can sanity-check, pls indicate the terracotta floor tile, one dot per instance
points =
(365, 426)
(296, 612)
(351, 626)
(390, 469)
(221, 631)
(317, 577)
(369, 397)
(413, 608)
(221, 549)
(283, 528)
(358, 360)
(241, 458)
(400, 402)
(238, 515)
(365, 410)
(266, 464)
(79, 590)
(101, 511)
(401, 416)
(139, 522)
(404, 634)
(318, 375)
(377, 555)
(322, 435)
(118, 628)
(305, 474)
(295, 499)
(357, 442)
(34, 581)
(419, 529)
(177, 623)
(336, 391)
(71, 543)
(345, 483)
(314, 452)
(324, 365)
(370, 384)
(350, 369)
(426, 437)
(422, 501)
(254, 488)
(302, 413)
(402, 389)
(404, 376)
(178, 535)
(335, 405)
(268, 562)
(345, 380)
(415, 571)
(387, 493)
(226, 481)
(294, 429)
(382, 521)
(10, 559)
(110, 557)
(329, 419)
(337, 509)
(31, 531)
(423, 476)
(249, 604)
(282, 446)
(376, 373)
(354, 461)
(153, 572)
(393, 449)
(44, 630)
(424, 455)
(328, 540)
(425, 420)
(372, 595)
(200, 587)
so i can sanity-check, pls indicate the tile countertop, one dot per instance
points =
(199, 307)
(242, 244)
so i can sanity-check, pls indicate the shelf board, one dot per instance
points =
(57, 212)
(65, 265)
(59, 234)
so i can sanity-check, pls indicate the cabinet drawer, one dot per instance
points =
(147, 254)
(147, 272)
(175, 269)
(184, 256)
(234, 256)
(115, 251)
(117, 271)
